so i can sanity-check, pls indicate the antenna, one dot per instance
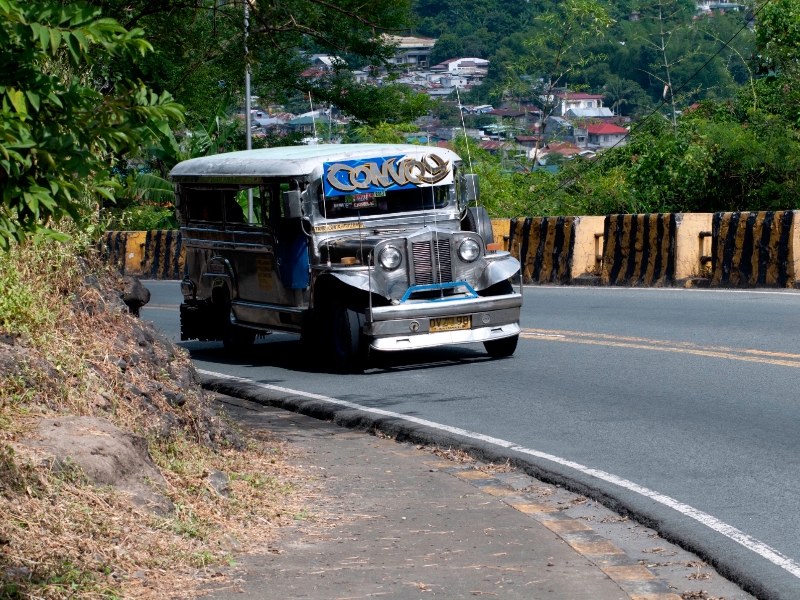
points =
(325, 217)
(247, 115)
(313, 120)
(466, 141)
(369, 284)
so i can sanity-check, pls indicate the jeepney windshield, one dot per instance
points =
(383, 203)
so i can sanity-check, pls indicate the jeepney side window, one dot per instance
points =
(204, 205)
(241, 200)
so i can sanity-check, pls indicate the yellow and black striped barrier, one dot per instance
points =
(751, 249)
(146, 254)
(543, 246)
(639, 249)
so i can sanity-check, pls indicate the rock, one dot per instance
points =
(175, 399)
(139, 392)
(107, 455)
(229, 543)
(219, 482)
(19, 362)
(134, 294)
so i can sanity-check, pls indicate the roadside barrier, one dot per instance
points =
(748, 249)
(545, 246)
(148, 254)
(639, 249)
(754, 249)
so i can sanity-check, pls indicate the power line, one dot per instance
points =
(663, 102)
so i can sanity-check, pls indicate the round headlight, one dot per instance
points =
(390, 258)
(469, 250)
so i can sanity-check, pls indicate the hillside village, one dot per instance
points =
(531, 131)
(577, 124)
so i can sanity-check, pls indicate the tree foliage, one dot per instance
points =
(65, 122)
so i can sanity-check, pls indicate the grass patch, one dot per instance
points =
(63, 336)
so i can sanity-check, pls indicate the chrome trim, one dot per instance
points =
(273, 307)
(405, 327)
(442, 338)
(444, 308)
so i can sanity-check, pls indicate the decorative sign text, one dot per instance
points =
(379, 175)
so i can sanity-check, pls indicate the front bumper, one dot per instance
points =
(407, 326)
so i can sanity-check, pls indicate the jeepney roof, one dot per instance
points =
(291, 161)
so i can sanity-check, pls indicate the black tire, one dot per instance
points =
(237, 339)
(501, 348)
(233, 337)
(477, 220)
(347, 347)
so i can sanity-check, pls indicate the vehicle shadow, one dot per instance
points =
(287, 352)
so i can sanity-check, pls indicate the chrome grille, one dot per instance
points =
(426, 269)
(443, 251)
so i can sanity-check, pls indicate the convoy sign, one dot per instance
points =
(376, 175)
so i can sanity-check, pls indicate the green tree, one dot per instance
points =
(59, 135)
(447, 46)
(201, 47)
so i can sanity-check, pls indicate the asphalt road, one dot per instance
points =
(691, 393)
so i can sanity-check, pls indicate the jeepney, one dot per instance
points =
(356, 247)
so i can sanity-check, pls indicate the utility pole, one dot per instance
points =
(247, 125)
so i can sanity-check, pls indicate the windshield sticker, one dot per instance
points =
(379, 175)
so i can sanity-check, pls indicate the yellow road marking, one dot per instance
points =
(145, 307)
(601, 339)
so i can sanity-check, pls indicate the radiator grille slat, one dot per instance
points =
(428, 268)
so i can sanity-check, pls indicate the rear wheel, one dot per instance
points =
(233, 337)
(501, 348)
(238, 338)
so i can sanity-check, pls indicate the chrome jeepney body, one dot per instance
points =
(373, 230)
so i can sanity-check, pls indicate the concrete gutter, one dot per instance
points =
(740, 565)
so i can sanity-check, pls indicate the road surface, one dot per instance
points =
(690, 393)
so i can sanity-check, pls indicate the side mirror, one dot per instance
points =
(470, 190)
(292, 205)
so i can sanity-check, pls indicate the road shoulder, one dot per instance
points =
(396, 519)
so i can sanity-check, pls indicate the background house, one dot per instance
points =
(569, 100)
(606, 135)
(413, 51)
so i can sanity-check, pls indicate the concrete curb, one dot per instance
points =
(743, 567)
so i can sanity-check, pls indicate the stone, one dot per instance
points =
(175, 399)
(219, 482)
(134, 294)
(107, 455)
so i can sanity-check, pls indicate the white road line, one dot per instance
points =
(728, 531)
(622, 288)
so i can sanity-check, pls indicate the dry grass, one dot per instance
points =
(456, 456)
(505, 467)
(59, 536)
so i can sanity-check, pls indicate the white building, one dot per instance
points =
(462, 65)
(567, 100)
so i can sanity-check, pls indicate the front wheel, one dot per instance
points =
(349, 349)
(503, 347)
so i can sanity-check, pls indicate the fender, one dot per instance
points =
(500, 267)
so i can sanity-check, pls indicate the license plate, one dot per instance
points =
(451, 323)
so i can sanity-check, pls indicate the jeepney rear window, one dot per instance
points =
(415, 199)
